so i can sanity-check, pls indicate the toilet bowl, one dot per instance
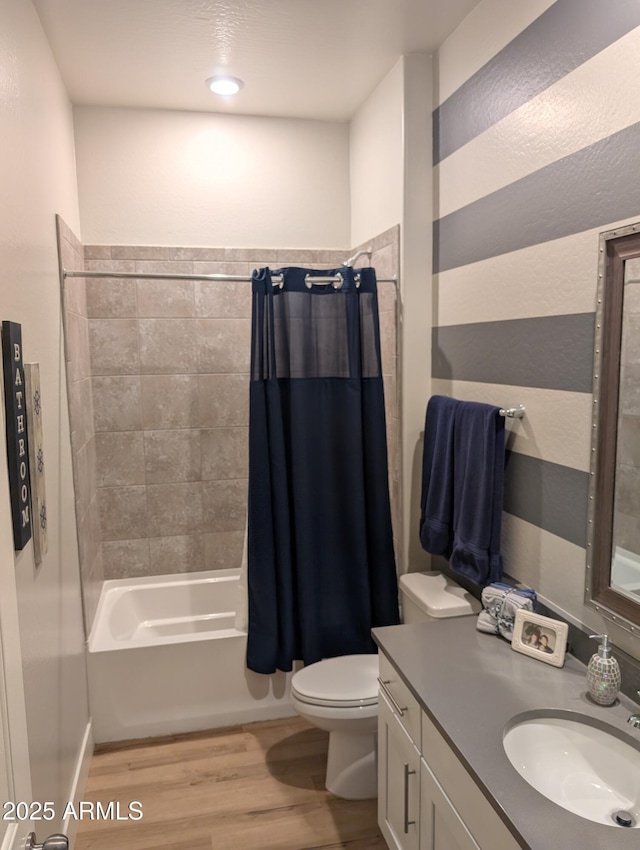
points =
(340, 695)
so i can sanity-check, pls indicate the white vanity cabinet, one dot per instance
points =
(426, 798)
(441, 827)
(399, 725)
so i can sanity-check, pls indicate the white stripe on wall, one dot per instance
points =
(553, 278)
(464, 53)
(580, 109)
(556, 427)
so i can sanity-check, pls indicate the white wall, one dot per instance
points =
(390, 158)
(37, 180)
(153, 177)
(376, 159)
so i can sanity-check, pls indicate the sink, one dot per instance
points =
(583, 765)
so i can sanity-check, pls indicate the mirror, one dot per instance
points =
(613, 549)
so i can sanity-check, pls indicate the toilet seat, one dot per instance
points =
(348, 681)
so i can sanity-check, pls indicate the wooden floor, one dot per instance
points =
(259, 786)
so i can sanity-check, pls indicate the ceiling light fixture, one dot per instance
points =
(225, 86)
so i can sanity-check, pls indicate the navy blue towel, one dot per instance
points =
(477, 491)
(436, 502)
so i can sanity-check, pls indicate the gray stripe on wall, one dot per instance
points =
(590, 188)
(554, 352)
(565, 36)
(547, 495)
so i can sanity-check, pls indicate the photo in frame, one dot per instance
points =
(543, 638)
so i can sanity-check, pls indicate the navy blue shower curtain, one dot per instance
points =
(321, 567)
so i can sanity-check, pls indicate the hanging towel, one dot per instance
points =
(477, 491)
(436, 502)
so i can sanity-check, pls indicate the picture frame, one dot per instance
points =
(542, 638)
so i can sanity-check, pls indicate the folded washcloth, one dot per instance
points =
(499, 605)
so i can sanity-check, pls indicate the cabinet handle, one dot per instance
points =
(390, 697)
(407, 822)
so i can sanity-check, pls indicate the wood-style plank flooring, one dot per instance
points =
(258, 786)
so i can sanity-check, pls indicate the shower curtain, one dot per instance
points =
(321, 567)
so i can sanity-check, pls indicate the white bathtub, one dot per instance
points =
(164, 657)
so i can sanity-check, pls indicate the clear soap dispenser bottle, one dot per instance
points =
(603, 673)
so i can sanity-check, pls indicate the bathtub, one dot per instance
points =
(164, 656)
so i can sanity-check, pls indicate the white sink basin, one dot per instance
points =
(580, 766)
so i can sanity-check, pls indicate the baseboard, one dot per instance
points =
(79, 783)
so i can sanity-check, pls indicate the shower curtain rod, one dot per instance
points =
(310, 280)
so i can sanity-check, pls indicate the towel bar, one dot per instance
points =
(513, 412)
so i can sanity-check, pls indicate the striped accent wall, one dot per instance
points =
(535, 153)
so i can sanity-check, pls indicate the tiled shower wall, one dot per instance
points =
(169, 380)
(83, 443)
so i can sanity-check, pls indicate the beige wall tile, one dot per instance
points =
(225, 453)
(223, 400)
(224, 505)
(388, 347)
(81, 413)
(103, 264)
(113, 344)
(75, 292)
(97, 252)
(182, 554)
(168, 347)
(120, 457)
(85, 475)
(174, 509)
(250, 255)
(224, 267)
(117, 403)
(158, 265)
(227, 300)
(125, 558)
(172, 456)
(166, 299)
(141, 252)
(123, 512)
(202, 254)
(111, 298)
(77, 348)
(169, 401)
(224, 345)
(223, 551)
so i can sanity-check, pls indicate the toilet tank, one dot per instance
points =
(434, 596)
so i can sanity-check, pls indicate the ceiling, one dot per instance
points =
(298, 58)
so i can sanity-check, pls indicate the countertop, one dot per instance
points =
(471, 684)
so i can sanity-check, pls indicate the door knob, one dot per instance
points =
(57, 841)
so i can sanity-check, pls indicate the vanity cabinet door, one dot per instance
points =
(441, 827)
(398, 781)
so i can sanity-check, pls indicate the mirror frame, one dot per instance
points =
(616, 247)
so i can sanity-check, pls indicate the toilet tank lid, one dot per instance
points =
(437, 595)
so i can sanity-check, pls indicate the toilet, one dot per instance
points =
(340, 695)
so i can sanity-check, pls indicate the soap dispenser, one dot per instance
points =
(603, 673)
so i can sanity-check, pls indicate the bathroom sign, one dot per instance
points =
(33, 396)
(17, 450)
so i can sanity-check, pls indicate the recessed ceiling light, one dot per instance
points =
(224, 85)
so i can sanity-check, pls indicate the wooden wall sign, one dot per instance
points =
(33, 397)
(17, 449)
